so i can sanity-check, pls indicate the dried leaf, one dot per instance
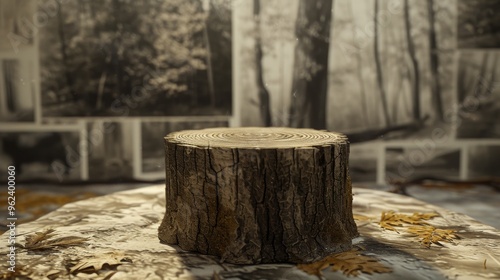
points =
(97, 262)
(38, 237)
(54, 274)
(351, 263)
(389, 220)
(43, 240)
(21, 272)
(390, 225)
(430, 235)
(314, 268)
(108, 275)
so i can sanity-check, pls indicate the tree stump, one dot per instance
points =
(258, 195)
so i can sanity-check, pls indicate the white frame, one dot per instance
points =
(79, 128)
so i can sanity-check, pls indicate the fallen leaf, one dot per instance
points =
(20, 272)
(389, 220)
(43, 240)
(351, 263)
(314, 268)
(39, 236)
(96, 263)
(108, 275)
(430, 235)
(54, 274)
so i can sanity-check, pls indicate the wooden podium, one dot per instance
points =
(258, 195)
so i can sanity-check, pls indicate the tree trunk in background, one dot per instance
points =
(463, 84)
(117, 52)
(264, 100)
(479, 82)
(359, 72)
(380, 77)
(415, 87)
(210, 73)
(364, 101)
(64, 53)
(310, 76)
(434, 63)
(490, 83)
(10, 69)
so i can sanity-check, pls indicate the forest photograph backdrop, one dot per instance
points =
(390, 74)
(138, 58)
(355, 66)
(478, 24)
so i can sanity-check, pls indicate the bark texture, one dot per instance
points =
(258, 195)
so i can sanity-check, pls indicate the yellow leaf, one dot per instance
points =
(389, 226)
(351, 263)
(430, 235)
(39, 236)
(43, 240)
(390, 219)
(96, 263)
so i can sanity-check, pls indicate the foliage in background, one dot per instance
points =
(97, 57)
(478, 23)
(414, 73)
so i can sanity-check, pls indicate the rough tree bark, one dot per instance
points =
(380, 77)
(434, 62)
(264, 99)
(258, 195)
(310, 75)
(415, 87)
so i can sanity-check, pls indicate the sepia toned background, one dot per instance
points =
(414, 84)
(91, 87)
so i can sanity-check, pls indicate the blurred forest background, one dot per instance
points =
(152, 133)
(478, 81)
(376, 70)
(413, 83)
(379, 65)
(479, 23)
(139, 58)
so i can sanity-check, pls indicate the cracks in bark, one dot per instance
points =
(196, 166)
(236, 160)
(210, 164)
(287, 208)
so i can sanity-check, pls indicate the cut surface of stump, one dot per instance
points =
(258, 195)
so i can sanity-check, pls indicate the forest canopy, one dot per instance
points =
(121, 57)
